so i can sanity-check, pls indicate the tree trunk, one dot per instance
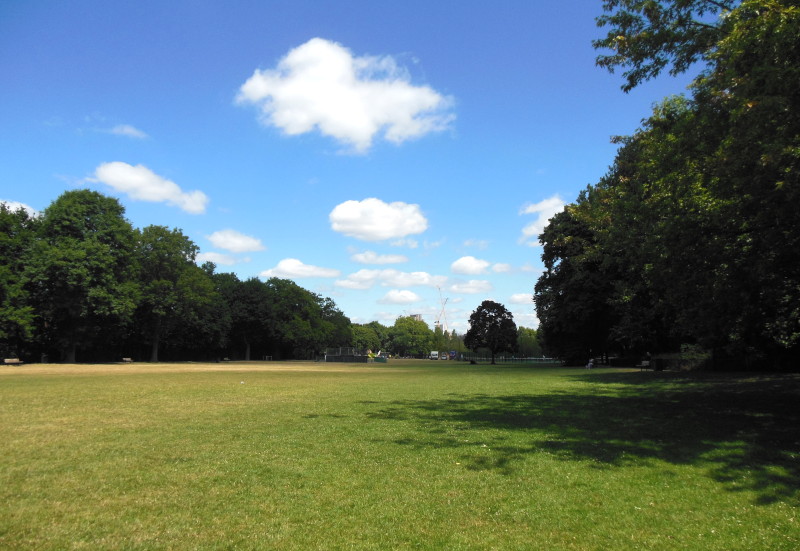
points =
(155, 340)
(247, 351)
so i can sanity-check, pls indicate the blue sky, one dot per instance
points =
(384, 154)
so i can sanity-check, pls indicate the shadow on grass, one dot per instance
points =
(744, 430)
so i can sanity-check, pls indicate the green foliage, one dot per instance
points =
(491, 326)
(365, 338)
(17, 231)
(80, 278)
(528, 343)
(647, 36)
(693, 237)
(79, 271)
(411, 337)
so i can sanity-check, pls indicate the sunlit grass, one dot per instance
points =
(406, 456)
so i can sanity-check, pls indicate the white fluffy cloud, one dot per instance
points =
(472, 287)
(129, 131)
(217, 258)
(293, 268)
(14, 206)
(374, 220)
(522, 298)
(396, 296)
(235, 242)
(469, 265)
(365, 279)
(371, 257)
(321, 85)
(544, 211)
(141, 183)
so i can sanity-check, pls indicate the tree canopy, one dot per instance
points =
(693, 236)
(491, 326)
(79, 283)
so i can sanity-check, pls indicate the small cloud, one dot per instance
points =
(469, 265)
(480, 244)
(141, 183)
(472, 287)
(365, 279)
(408, 243)
(544, 210)
(235, 242)
(374, 220)
(14, 206)
(293, 268)
(396, 296)
(129, 131)
(217, 258)
(501, 268)
(321, 86)
(522, 298)
(370, 257)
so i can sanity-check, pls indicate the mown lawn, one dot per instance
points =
(422, 455)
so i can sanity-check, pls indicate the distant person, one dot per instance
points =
(590, 365)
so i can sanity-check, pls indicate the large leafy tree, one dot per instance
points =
(80, 271)
(175, 292)
(410, 337)
(17, 230)
(695, 227)
(248, 302)
(491, 326)
(301, 323)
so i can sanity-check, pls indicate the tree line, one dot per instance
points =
(692, 238)
(80, 283)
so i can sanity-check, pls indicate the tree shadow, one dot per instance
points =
(744, 429)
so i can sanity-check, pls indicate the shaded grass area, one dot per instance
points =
(411, 456)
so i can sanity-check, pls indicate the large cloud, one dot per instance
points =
(374, 220)
(544, 211)
(321, 85)
(235, 242)
(141, 183)
(293, 268)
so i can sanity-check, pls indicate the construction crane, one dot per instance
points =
(441, 321)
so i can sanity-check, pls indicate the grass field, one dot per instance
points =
(408, 455)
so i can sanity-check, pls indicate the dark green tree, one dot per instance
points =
(17, 232)
(491, 326)
(365, 338)
(80, 271)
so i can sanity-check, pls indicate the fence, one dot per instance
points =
(469, 357)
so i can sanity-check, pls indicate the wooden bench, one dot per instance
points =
(13, 361)
(644, 364)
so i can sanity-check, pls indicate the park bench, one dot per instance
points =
(13, 361)
(644, 364)
(127, 360)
